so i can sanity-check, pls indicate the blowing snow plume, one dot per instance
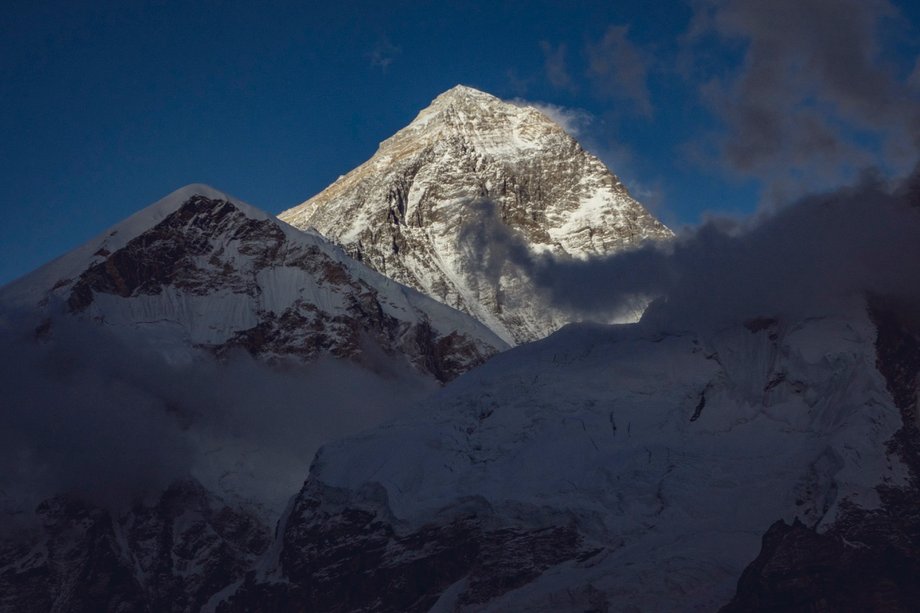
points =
(800, 260)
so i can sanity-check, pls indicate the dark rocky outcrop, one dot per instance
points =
(167, 254)
(801, 570)
(353, 557)
(171, 556)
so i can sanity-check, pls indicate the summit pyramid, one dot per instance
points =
(406, 211)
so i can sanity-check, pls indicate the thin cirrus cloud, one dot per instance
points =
(383, 54)
(616, 67)
(913, 80)
(556, 66)
(619, 69)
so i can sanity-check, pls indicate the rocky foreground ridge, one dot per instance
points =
(612, 469)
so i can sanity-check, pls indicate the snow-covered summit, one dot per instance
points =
(405, 212)
(32, 287)
(464, 92)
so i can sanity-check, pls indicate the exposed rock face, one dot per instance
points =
(800, 570)
(187, 251)
(200, 272)
(345, 553)
(403, 212)
(169, 556)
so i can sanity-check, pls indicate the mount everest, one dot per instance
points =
(404, 212)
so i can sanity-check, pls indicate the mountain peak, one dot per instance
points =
(461, 92)
(486, 125)
(404, 211)
(199, 273)
(30, 288)
(195, 189)
(472, 111)
(181, 196)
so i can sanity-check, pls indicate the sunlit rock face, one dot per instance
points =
(412, 210)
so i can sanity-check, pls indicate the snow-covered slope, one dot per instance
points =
(615, 468)
(404, 211)
(200, 271)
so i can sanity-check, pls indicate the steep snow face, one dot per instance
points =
(199, 271)
(403, 212)
(605, 466)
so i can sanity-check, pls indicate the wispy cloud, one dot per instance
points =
(518, 84)
(556, 67)
(573, 121)
(914, 79)
(383, 54)
(813, 101)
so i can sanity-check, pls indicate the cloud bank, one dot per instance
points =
(85, 414)
(807, 259)
(813, 100)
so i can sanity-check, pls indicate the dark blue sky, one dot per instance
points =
(704, 106)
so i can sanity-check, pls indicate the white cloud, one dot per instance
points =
(573, 121)
(383, 54)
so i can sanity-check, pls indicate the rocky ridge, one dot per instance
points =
(200, 272)
(868, 559)
(171, 554)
